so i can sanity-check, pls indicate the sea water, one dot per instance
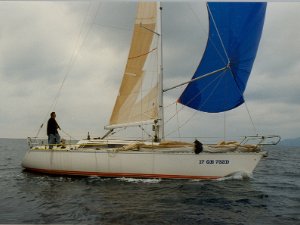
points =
(270, 196)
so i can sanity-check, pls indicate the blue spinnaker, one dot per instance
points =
(234, 34)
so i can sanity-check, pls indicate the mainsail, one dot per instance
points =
(234, 35)
(135, 102)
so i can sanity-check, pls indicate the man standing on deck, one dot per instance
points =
(52, 126)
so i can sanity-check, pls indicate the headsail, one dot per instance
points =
(234, 34)
(135, 102)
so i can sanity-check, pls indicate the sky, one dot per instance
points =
(69, 56)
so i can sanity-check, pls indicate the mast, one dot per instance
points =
(160, 78)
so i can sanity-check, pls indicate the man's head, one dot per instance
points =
(53, 115)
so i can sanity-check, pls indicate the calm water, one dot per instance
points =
(271, 196)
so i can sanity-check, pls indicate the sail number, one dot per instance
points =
(210, 162)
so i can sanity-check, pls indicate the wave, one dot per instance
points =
(240, 175)
(138, 180)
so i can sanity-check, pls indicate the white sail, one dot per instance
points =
(136, 102)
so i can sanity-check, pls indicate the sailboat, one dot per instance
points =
(217, 86)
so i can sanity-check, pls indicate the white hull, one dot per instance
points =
(173, 163)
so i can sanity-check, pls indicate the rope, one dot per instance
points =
(252, 123)
(71, 138)
(224, 49)
(251, 120)
(246, 106)
(228, 61)
(169, 105)
(75, 53)
(178, 127)
(189, 119)
(206, 32)
(134, 57)
(71, 62)
(196, 95)
(143, 130)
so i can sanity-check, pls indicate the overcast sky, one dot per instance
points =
(42, 42)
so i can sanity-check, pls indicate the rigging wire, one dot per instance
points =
(178, 127)
(144, 131)
(75, 53)
(206, 32)
(251, 120)
(199, 93)
(70, 136)
(215, 25)
(114, 27)
(246, 106)
(252, 123)
(71, 62)
(226, 63)
(184, 106)
(220, 55)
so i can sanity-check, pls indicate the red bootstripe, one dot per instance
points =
(133, 175)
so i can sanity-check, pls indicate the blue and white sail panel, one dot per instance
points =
(234, 34)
